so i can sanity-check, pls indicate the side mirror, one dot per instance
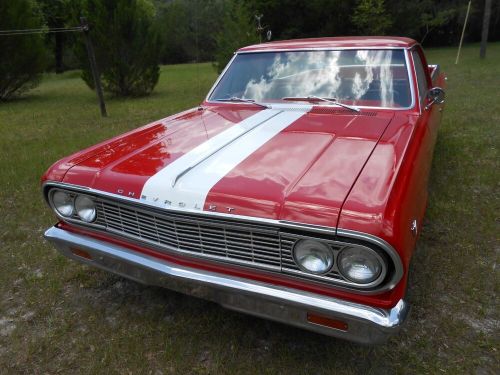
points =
(435, 95)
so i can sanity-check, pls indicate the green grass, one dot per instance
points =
(60, 317)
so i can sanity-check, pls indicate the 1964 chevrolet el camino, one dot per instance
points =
(295, 191)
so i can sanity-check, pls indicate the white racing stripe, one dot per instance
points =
(186, 182)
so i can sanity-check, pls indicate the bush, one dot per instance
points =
(126, 46)
(22, 57)
(238, 30)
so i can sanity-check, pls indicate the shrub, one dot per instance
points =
(22, 57)
(126, 46)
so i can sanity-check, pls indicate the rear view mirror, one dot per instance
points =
(435, 95)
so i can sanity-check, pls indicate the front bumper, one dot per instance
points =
(363, 324)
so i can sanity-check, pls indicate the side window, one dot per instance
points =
(421, 78)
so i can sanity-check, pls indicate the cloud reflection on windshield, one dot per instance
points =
(352, 75)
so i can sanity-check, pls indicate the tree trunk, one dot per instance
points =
(58, 51)
(486, 26)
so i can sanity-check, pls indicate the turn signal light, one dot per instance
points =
(81, 253)
(327, 322)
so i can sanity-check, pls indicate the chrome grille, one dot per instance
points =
(221, 239)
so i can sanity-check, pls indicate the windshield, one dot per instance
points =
(375, 78)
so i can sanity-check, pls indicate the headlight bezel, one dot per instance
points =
(74, 217)
(385, 280)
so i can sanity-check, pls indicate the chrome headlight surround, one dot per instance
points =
(386, 271)
(78, 207)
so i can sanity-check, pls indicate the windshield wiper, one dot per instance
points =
(319, 98)
(243, 100)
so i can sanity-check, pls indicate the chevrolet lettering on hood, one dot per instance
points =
(292, 192)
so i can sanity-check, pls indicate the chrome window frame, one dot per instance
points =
(417, 88)
(392, 254)
(406, 51)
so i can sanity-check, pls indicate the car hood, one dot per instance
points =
(295, 163)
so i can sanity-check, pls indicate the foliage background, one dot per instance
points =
(125, 39)
(132, 37)
(22, 57)
(190, 29)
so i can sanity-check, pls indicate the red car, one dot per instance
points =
(295, 191)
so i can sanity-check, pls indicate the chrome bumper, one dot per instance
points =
(365, 324)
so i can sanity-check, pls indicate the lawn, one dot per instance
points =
(60, 317)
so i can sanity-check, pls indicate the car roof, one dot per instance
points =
(332, 43)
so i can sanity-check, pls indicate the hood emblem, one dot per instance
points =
(414, 228)
(122, 192)
(169, 203)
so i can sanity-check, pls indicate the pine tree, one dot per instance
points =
(126, 45)
(22, 57)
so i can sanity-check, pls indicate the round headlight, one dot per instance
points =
(85, 208)
(63, 203)
(313, 256)
(361, 265)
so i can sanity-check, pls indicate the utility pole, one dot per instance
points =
(486, 26)
(463, 33)
(93, 65)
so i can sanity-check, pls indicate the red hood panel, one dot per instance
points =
(304, 173)
(125, 166)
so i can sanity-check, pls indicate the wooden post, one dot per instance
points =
(486, 26)
(463, 32)
(93, 65)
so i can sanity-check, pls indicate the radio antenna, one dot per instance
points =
(260, 28)
(197, 62)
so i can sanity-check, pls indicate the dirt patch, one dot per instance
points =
(7, 326)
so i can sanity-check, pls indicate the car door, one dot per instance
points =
(431, 115)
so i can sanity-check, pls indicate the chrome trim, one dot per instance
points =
(405, 49)
(366, 324)
(220, 77)
(322, 49)
(396, 259)
(337, 247)
(278, 224)
(220, 215)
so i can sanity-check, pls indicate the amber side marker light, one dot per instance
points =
(81, 253)
(327, 322)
